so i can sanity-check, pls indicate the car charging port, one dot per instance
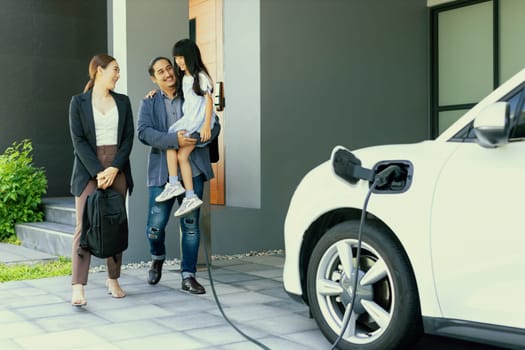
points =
(394, 176)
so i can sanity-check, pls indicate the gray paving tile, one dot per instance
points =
(175, 340)
(222, 334)
(129, 330)
(249, 267)
(250, 312)
(291, 306)
(9, 344)
(245, 298)
(50, 310)
(27, 291)
(259, 284)
(105, 346)
(226, 262)
(7, 316)
(12, 286)
(223, 288)
(159, 297)
(51, 284)
(83, 320)
(276, 343)
(184, 303)
(313, 338)
(16, 329)
(184, 322)
(284, 324)
(245, 345)
(271, 260)
(270, 273)
(19, 302)
(133, 313)
(5, 294)
(273, 343)
(278, 292)
(66, 340)
(227, 276)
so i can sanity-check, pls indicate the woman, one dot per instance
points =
(101, 126)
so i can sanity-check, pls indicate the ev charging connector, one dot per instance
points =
(386, 173)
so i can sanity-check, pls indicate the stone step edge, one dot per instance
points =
(60, 229)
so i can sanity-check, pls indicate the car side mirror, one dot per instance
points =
(492, 125)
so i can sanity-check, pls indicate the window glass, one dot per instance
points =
(518, 131)
(448, 118)
(465, 46)
(512, 27)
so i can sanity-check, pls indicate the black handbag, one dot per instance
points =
(104, 224)
(214, 150)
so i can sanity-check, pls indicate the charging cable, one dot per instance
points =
(389, 174)
(256, 342)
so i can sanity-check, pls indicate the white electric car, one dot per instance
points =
(443, 243)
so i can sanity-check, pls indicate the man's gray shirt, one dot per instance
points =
(152, 130)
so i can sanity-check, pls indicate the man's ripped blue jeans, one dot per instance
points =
(158, 215)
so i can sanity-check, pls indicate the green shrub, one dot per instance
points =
(21, 188)
(60, 267)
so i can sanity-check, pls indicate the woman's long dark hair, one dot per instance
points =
(193, 60)
(100, 60)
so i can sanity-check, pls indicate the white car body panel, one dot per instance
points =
(393, 209)
(448, 224)
(477, 235)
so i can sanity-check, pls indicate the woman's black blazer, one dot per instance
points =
(82, 127)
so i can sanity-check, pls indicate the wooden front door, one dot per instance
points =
(206, 26)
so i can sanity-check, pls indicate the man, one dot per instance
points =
(156, 114)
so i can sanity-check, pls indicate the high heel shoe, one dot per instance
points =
(114, 289)
(78, 298)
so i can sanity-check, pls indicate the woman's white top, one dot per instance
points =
(194, 106)
(106, 126)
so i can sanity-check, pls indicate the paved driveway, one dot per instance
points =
(36, 314)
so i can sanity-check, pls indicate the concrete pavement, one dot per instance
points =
(36, 314)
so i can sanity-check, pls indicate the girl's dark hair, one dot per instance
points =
(155, 60)
(192, 58)
(100, 60)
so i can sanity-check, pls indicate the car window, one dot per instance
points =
(518, 121)
(515, 100)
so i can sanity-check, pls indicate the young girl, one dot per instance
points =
(197, 120)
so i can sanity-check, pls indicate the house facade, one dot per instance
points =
(300, 77)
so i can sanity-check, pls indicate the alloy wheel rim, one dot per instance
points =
(374, 305)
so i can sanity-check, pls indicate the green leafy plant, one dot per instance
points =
(21, 188)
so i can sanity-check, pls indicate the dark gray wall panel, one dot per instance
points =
(347, 72)
(45, 48)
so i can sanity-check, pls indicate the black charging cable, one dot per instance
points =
(389, 174)
(256, 342)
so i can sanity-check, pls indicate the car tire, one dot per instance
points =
(386, 311)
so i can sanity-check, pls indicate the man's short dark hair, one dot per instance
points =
(152, 63)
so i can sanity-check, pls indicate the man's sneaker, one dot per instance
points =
(187, 206)
(170, 191)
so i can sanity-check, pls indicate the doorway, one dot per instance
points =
(205, 22)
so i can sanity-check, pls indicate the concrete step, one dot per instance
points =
(60, 210)
(11, 254)
(54, 235)
(48, 237)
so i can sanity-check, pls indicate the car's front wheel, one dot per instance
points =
(386, 313)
